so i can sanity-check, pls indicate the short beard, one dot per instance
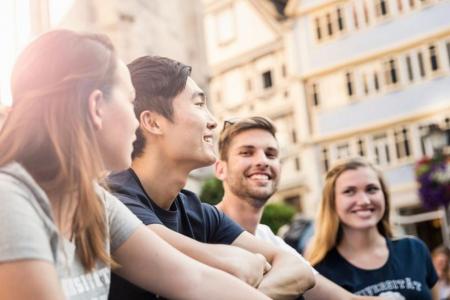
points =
(256, 201)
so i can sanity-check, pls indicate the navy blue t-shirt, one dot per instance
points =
(408, 271)
(187, 215)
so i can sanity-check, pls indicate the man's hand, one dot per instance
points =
(236, 261)
(247, 266)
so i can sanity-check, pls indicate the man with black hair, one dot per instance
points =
(175, 136)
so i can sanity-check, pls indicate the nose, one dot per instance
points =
(261, 159)
(363, 199)
(212, 122)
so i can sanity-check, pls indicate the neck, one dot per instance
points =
(360, 240)
(241, 211)
(161, 178)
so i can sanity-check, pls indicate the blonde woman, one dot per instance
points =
(60, 232)
(353, 244)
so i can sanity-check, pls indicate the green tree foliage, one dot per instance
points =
(212, 191)
(276, 215)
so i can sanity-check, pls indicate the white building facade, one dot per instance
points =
(362, 77)
(375, 75)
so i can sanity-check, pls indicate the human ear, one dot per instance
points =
(95, 108)
(150, 122)
(220, 169)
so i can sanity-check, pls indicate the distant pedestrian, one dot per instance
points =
(441, 260)
(353, 244)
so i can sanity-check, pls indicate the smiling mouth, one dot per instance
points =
(363, 211)
(260, 176)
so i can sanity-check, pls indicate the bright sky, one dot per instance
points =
(15, 33)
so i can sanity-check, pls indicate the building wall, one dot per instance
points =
(169, 28)
(373, 82)
(250, 76)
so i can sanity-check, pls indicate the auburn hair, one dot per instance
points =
(328, 231)
(49, 132)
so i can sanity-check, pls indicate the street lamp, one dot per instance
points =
(436, 138)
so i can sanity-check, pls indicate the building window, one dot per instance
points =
(315, 94)
(361, 147)
(294, 136)
(409, 68)
(325, 160)
(355, 17)
(329, 24)
(365, 84)
(225, 26)
(267, 79)
(381, 149)
(390, 71)
(433, 58)
(318, 29)
(402, 147)
(421, 64)
(342, 151)
(340, 20)
(381, 8)
(425, 147)
(366, 13)
(349, 82)
(376, 81)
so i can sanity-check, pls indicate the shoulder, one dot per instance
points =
(331, 263)
(408, 242)
(263, 231)
(186, 195)
(409, 245)
(191, 202)
(123, 182)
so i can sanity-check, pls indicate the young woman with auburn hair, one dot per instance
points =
(353, 244)
(60, 233)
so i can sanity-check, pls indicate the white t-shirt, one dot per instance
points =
(263, 232)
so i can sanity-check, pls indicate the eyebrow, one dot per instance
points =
(253, 147)
(198, 94)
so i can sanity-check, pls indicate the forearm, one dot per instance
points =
(149, 262)
(288, 278)
(222, 257)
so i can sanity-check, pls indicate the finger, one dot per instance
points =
(267, 267)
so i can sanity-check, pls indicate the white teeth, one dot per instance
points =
(260, 176)
(208, 139)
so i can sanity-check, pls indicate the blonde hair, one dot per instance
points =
(49, 132)
(328, 232)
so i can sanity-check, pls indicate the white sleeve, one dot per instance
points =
(263, 232)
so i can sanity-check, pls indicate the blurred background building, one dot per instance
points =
(171, 28)
(338, 77)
